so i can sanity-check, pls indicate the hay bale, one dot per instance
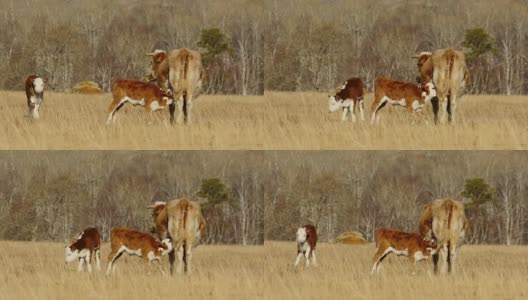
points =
(351, 238)
(87, 87)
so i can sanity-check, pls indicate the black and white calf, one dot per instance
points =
(306, 242)
(348, 97)
(35, 94)
(84, 247)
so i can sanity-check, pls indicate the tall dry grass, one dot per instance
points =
(36, 270)
(484, 272)
(278, 120)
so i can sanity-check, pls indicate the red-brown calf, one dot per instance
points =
(35, 94)
(412, 245)
(306, 242)
(84, 247)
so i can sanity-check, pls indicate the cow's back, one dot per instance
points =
(185, 219)
(448, 220)
(449, 70)
(186, 70)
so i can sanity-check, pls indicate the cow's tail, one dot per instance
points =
(449, 211)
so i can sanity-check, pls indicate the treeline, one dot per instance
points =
(255, 195)
(312, 44)
(53, 195)
(362, 191)
(73, 41)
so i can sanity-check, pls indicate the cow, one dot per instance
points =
(84, 247)
(132, 242)
(447, 70)
(412, 245)
(404, 94)
(180, 220)
(348, 97)
(306, 242)
(180, 70)
(444, 220)
(148, 95)
(35, 94)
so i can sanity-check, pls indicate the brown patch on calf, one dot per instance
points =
(353, 90)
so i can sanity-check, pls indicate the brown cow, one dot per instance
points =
(412, 245)
(447, 70)
(132, 242)
(182, 71)
(180, 220)
(84, 247)
(148, 95)
(348, 97)
(35, 94)
(404, 94)
(306, 242)
(444, 220)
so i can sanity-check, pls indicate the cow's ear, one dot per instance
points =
(150, 207)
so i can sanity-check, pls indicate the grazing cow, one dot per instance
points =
(306, 242)
(84, 247)
(447, 70)
(35, 94)
(182, 71)
(412, 245)
(444, 220)
(180, 220)
(348, 97)
(404, 94)
(136, 243)
(148, 95)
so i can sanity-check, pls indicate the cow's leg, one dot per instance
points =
(112, 257)
(88, 262)
(179, 268)
(36, 112)
(443, 116)
(188, 106)
(345, 112)
(436, 108)
(314, 260)
(435, 262)
(362, 109)
(298, 259)
(179, 107)
(172, 108)
(452, 257)
(307, 256)
(188, 257)
(378, 257)
(376, 108)
(452, 106)
(172, 258)
(353, 111)
(413, 264)
(98, 259)
(81, 265)
(443, 259)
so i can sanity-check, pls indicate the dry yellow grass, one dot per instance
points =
(31, 270)
(484, 272)
(275, 121)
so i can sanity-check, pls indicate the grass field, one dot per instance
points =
(274, 121)
(36, 270)
(484, 272)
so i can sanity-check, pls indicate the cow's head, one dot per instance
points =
(430, 246)
(38, 84)
(158, 56)
(334, 103)
(164, 247)
(159, 219)
(302, 234)
(71, 253)
(421, 59)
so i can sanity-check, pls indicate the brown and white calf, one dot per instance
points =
(148, 95)
(412, 245)
(404, 94)
(35, 94)
(132, 242)
(306, 242)
(348, 97)
(84, 247)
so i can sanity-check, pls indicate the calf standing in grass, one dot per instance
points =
(148, 95)
(136, 243)
(404, 94)
(84, 247)
(306, 242)
(412, 245)
(348, 97)
(35, 94)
